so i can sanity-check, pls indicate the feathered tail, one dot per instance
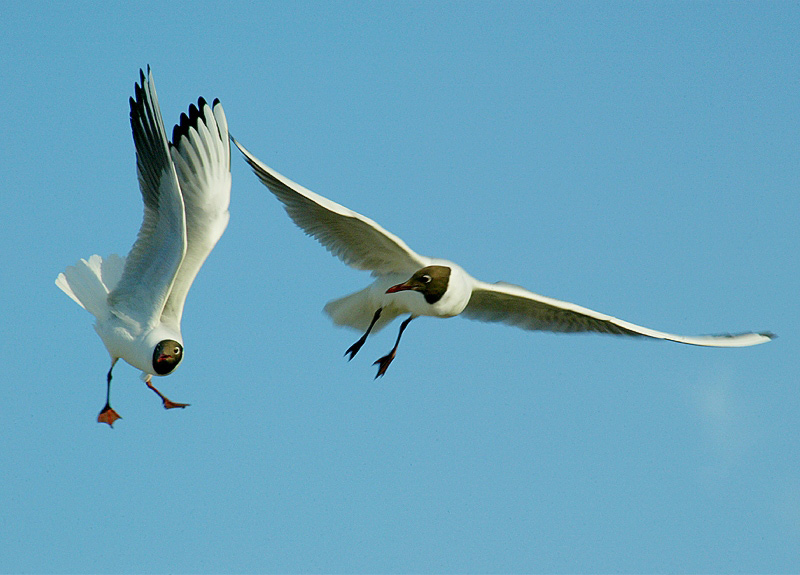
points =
(89, 282)
(356, 311)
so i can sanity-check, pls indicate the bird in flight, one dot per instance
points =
(138, 301)
(409, 283)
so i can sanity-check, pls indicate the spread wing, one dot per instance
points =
(201, 152)
(156, 255)
(356, 240)
(517, 306)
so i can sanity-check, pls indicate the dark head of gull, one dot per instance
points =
(430, 281)
(166, 356)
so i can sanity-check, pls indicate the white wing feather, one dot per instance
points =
(355, 239)
(202, 156)
(152, 263)
(519, 307)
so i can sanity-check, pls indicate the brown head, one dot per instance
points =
(430, 281)
(166, 356)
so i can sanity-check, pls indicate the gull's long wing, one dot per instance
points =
(514, 305)
(355, 239)
(156, 255)
(201, 152)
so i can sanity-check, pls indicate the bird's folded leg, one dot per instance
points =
(387, 359)
(353, 349)
(167, 403)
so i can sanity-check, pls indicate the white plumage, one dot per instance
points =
(138, 301)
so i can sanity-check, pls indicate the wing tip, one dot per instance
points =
(764, 335)
(743, 339)
(196, 115)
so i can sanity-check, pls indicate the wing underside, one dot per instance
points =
(201, 153)
(355, 239)
(155, 257)
(514, 305)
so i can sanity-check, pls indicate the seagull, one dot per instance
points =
(409, 283)
(138, 301)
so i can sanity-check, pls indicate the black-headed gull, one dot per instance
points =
(138, 301)
(436, 287)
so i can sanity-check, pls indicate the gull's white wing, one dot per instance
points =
(201, 152)
(356, 240)
(156, 255)
(514, 305)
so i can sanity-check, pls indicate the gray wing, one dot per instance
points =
(519, 307)
(355, 239)
(155, 257)
(201, 152)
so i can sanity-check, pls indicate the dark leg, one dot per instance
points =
(353, 349)
(387, 359)
(167, 403)
(108, 415)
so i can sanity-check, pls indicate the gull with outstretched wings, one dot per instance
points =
(409, 283)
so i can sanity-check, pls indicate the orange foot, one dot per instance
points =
(167, 403)
(384, 363)
(108, 416)
(172, 405)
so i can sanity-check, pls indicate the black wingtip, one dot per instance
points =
(181, 128)
(136, 101)
(139, 88)
(189, 121)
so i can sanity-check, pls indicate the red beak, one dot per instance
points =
(398, 287)
(162, 357)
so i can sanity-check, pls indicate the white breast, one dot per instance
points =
(128, 341)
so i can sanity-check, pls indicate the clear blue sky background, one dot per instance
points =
(641, 159)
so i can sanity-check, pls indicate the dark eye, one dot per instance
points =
(177, 351)
(426, 279)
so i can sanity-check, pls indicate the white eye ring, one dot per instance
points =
(176, 351)
(426, 279)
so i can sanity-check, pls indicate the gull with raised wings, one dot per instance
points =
(138, 301)
(409, 283)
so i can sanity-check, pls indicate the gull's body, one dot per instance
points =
(138, 301)
(436, 287)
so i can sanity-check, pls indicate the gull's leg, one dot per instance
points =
(108, 415)
(353, 349)
(167, 403)
(387, 359)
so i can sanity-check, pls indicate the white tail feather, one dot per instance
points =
(356, 311)
(89, 281)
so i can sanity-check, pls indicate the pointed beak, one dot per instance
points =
(399, 287)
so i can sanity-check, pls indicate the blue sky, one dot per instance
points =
(640, 159)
